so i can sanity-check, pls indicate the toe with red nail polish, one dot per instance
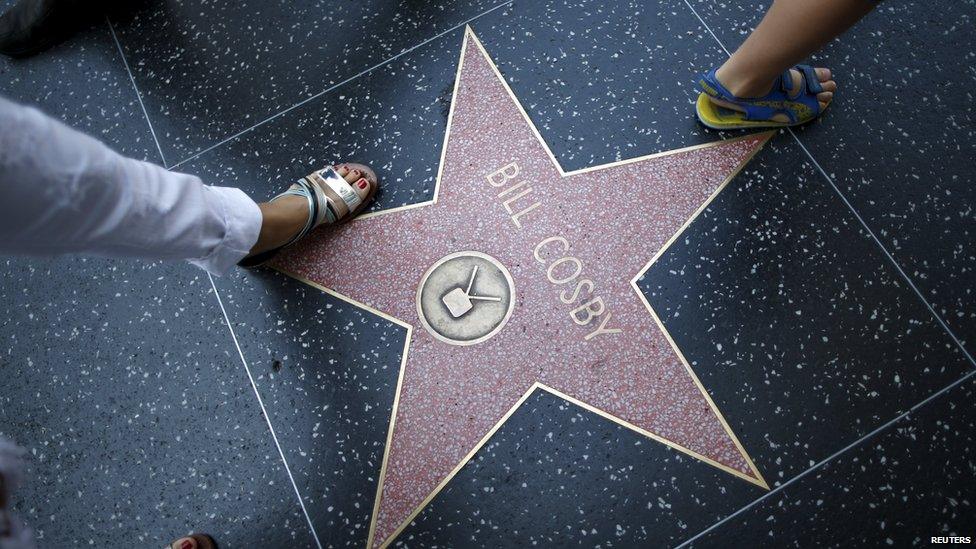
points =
(362, 183)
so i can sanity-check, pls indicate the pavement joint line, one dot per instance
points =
(264, 411)
(813, 160)
(333, 87)
(828, 459)
(857, 215)
(132, 79)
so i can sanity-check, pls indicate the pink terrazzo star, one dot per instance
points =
(610, 221)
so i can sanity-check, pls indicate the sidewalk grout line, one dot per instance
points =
(220, 302)
(338, 85)
(860, 219)
(264, 411)
(891, 258)
(227, 321)
(911, 284)
(132, 79)
(829, 458)
(709, 29)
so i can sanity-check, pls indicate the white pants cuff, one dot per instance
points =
(242, 222)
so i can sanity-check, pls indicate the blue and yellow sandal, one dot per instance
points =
(759, 111)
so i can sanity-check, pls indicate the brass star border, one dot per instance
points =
(758, 480)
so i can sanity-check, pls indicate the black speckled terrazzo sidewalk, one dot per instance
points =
(825, 299)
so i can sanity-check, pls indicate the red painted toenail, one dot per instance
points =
(362, 183)
(186, 545)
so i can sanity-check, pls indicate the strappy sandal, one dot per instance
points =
(203, 541)
(799, 108)
(331, 200)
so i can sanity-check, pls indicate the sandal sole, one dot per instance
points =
(709, 116)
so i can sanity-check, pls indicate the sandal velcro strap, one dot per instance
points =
(811, 78)
(786, 81)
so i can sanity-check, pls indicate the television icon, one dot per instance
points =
(459, 301)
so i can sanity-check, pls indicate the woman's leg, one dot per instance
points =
(62, 191)
(789, 32)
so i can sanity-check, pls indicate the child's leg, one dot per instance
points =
(790, 31)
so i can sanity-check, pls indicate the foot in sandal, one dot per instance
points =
(194, 541)
(325, 197)
(796, 97)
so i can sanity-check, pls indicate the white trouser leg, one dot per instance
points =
(62, 191)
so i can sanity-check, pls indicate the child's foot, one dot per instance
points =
(732, 101)
(741, 88)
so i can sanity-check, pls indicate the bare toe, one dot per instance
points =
(828, 85)
(365, 172)
(362, 188)
(362, 179)
(352, 175)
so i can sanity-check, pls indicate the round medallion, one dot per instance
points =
(465, 298)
